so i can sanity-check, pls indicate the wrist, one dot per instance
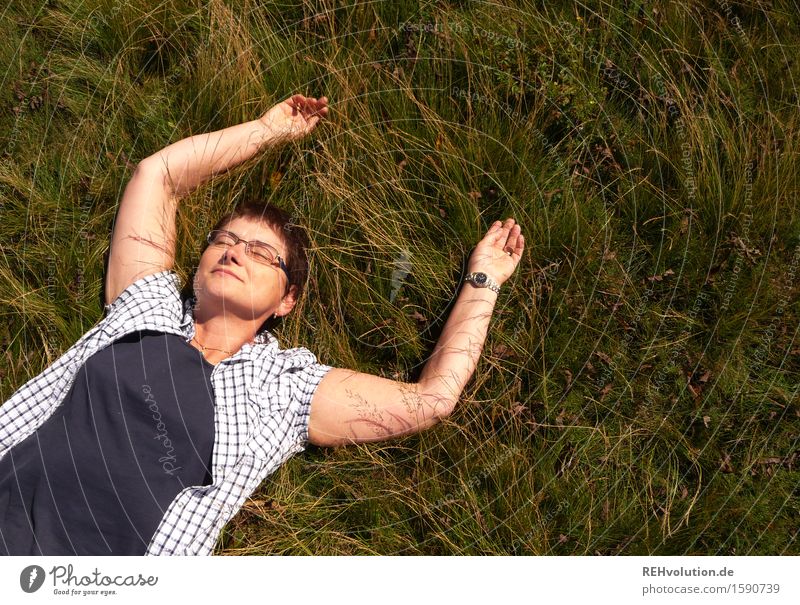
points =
(266, 133)
(481, 280)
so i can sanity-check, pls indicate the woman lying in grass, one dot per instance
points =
(150, 432)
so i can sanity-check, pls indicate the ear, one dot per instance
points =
(288, 302)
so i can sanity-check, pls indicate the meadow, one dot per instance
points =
(638, 390)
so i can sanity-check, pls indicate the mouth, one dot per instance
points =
(226, 272)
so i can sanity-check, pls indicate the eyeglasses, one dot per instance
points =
(258, 251)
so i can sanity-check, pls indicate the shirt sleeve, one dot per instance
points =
(304, 378)
(160, 288)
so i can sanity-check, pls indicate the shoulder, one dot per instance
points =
(287, 368)
(289, 357)
(163, 286)
(298, 357)
(303, 373)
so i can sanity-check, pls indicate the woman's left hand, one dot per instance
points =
(491, 255)
(295, 117)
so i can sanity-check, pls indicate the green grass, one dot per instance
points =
(638, 392)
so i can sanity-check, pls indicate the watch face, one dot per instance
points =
(480, 278)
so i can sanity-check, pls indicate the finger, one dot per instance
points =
(305, 104)
(296, 104)
(313, 107)
(512, 239)
(516, 250)
(501, 234)
(494, 230)
(508, 226)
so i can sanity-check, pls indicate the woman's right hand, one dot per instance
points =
(295, 117)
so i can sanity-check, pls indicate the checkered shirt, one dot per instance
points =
(262, 401)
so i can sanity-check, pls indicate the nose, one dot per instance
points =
(235, 253)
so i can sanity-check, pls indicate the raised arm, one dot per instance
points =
(353, 407)
(143, 239)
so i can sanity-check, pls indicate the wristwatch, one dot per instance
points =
(479, 279)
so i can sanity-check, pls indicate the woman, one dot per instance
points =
(150, 432)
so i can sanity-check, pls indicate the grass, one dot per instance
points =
(638, 392)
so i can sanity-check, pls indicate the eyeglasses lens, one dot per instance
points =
(259, 252)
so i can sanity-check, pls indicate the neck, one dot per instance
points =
(220, 337)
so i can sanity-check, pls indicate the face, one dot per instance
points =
(230, 281)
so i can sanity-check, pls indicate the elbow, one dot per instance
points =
(153, 168)
(148, 165)
(147, 168)
(446, 409)
(440, 402)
